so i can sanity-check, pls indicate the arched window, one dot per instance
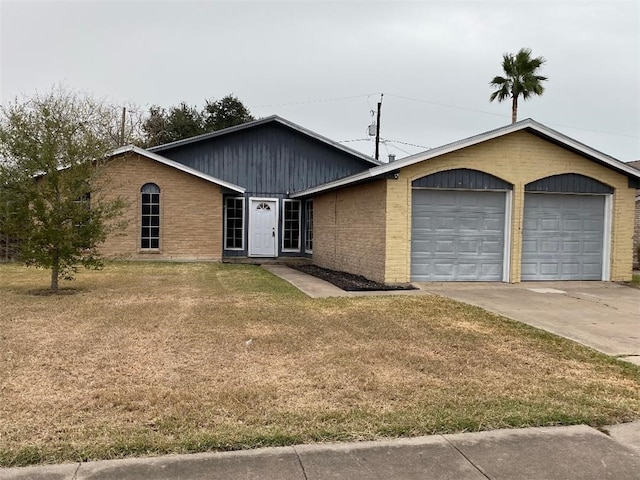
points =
(150, 221)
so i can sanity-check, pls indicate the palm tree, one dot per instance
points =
(520, 79)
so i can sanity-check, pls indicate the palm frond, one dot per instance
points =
(520, 77)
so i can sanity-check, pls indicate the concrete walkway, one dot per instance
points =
(318, 288)
(568, 453)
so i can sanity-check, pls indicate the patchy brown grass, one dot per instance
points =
(148, 358)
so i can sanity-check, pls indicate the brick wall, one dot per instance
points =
(190, 211)
(349, 230)
(518, 158)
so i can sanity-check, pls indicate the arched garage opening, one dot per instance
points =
(564, 234)
(458, 227)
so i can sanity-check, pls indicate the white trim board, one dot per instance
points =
(524, 125)
(178, 166)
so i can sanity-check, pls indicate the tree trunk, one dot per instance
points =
(514, 109)
(54, 277)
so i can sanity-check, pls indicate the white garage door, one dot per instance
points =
(457, 235)
(563, 237)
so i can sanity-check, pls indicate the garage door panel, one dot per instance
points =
(469, 223)
(592, 268)
(565, 243)
(445, 224)
(548, 246)
(549, 268)
(529, 246)
(492, 246)
(530, 223)
(592, 247)
(468, 246)
(548, 225)
(492, 269)
(468, 269)
(445, 246)
(573, 225)
(571, 247)
(493, 225)
(570, 268)
(457, 235)
(593, 225)
(444, 269)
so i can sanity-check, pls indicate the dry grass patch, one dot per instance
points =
(148, 358)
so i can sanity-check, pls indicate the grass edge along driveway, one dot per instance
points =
(156, 358)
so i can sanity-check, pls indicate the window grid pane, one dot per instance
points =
(150, 221)
(234, 223)
(291, 225)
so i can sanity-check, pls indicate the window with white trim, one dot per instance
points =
(234, 223)
(150, 221)
(291, 225)
(308, 226)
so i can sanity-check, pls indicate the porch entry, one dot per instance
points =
(263, 231)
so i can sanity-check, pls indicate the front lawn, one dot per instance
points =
(153, 358)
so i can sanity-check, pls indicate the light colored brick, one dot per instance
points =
(348, 230)
(190, 209)
(345, 241)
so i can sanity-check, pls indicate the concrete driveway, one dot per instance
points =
(602, 315)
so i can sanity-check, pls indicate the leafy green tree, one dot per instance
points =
(520, 78)
(155, 128)
(183, 121)
(52, 180)
(227, 112)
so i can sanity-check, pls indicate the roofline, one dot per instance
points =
(173, 164)
(527, 124)
(261, 121)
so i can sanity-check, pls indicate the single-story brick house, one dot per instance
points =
(225, 195)
(518, 203)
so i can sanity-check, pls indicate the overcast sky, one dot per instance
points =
(323, 65)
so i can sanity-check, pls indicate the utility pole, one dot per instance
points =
(378, 127)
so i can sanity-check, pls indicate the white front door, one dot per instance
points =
(263, 235)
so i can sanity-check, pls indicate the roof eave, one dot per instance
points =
(523, 125)
(176, 165)
(325, 187)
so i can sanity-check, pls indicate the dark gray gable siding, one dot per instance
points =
(568, 183)
(462, 178)
(269, 159)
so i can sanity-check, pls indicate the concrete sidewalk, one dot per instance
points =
(569, 453)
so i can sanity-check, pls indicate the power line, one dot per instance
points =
(593, 130)
(321, 100)
(440, 104)
(407, 143)
(386, 142)
(397, 148)
(355, 140)
(420, 100)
